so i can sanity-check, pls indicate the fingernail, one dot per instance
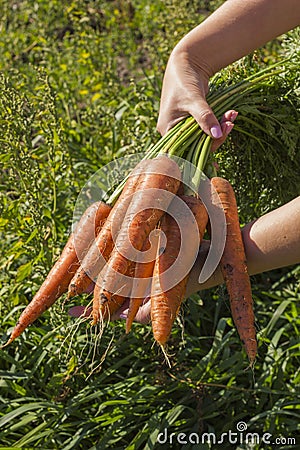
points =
(229, 127)
(216, 131)
(233, 115)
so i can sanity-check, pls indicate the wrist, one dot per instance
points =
(191, 56)
(215, 279)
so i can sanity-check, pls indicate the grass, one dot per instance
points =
(80, 86)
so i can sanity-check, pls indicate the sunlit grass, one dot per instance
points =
(80, 86)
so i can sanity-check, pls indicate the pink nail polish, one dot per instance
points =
(229, 127)
(216, 131)
(233, 116)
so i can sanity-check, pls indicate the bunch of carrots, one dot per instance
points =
(100, 255)
(95, 253)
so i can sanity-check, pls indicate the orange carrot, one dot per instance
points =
(165, 300)
(155, 190)
(234, 269)
(60, 275)
(143, 272)
(103, 246)
(116, 300)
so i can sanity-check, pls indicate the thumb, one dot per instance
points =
(206, 119)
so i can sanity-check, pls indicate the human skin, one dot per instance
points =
(271, 241)
(234, 30)
(226, 126)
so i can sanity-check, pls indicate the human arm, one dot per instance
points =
(235, 29)
(271, 241)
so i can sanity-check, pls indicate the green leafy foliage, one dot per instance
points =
(261, 156)
(79, 86)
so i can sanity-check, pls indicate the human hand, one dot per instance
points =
(184, 91)
(212, 45)
(143, 315)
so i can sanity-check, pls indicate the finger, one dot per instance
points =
(122, 312)
(226, 129)
(229, 115)
(205, 117)
(164, 126)
(144, 313)
(226, 125)
(142, 316)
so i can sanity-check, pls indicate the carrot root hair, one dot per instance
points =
(59, 277)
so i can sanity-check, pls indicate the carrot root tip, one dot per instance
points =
(163, 349)
(9, 341)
